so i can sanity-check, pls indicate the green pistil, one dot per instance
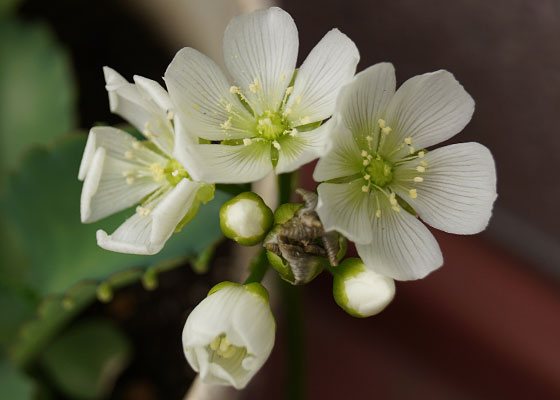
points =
(379, 171)
(174, 172)
(271, 125)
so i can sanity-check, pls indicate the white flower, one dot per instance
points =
(360, 291)
(377, 167)
(246, 219)
(268, 119)
(120, 171)
(228, 337)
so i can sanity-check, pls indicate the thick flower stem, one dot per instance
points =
(259, 266)
(295, 375)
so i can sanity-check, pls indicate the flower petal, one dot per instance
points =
(346, 208)
(302, 148)
(402, 247)
(106, 189)
(363, 102)
(342, 156)
(201, 97)
(118, 144)
(429, 108)
(147, 233)
(331, 64)
(260, 52)
(138, 107)
(218, 163)
(458, 190)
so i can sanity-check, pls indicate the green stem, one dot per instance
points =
(292, 296)
(258, 267)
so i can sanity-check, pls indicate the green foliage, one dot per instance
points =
(15, 385)
(86, 359)
(58, 258)
(37, 96)
(7, 6)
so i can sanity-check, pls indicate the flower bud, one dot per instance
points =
(359, 291)
(228, 337)
(246, 219)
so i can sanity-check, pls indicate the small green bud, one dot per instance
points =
(150, 280)
(246, 219)
(359, 291)
(104, 292)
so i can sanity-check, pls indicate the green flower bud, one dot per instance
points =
(359, 291)
(246, 219)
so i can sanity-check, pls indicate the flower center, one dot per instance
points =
(377, 170)
(271, 125)
(222, 347)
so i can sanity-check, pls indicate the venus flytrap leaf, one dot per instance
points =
(378, 176)
(230, 334)
(246, 219)
(359, 291)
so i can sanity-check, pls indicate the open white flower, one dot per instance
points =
(378, 172)
(269, 119)
(228, 336)
(120, 171)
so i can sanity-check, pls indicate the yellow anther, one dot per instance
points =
(305, 120)
(196, 106)
(411, 149)
(381, 123)
(230, 352)
(234, 90)
(289, 90)
(378, 213)
(137, 145)
(369, 157)
(418, 179)
(367, 177)
(229, 107)
(253, 87)
(365, 189)
(143, 211)
(157, 171)
(396, 208)
(170, 115)
(421, 154)
(420, 168)
(130, 180)
(276, 145)
(247, 142)
(226, 124)
(128, 154)
(423, 163)
(364, 153)
(294, 132)
(365, 162)
(408, 140)
(224, 345)
(369, 138)
(393, 199)
(412, 193)
(215, 343)
(386, 130)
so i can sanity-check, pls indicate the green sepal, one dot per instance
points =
(405, 206)
(220, 286)
(281, 266)
(309, 127)
(285, 212)
(349, 268)
(257, 289)
(204, 194)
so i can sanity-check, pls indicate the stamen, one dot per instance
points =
(396, 208)
(227, 124)
(276, 145)
(143, 211)
(215, 343)
(130, 180)
(421, 154)
(365, 188)
(247, 142)
(175, 173)
(367, 177)
(229, 106)
(378, 213)
(382, 123)
(408, 140)
(137, 145)
(420, 169)
(411, 149)
(364, 153)
(393, 199)
(412, 193)
(418, 179)
(234, 90)
(253, 87)
(294, 132)
(386, 130)
(366, 163)
(290, 90)
(423, 163)
(170, 115)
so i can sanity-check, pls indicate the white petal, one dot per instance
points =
(402, 247)
(218, 163)
(429, 108)
(364, 101)
(201, 96)
(343, 154)
(346, 208)
(147, 234)
(262, 45)
(152, 89)
(330, 65)
(106, 190)
(118, 144)
(369, 293)
(137, 106)
(302, 148)
(458, 190)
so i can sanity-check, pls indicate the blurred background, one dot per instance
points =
(485, 326)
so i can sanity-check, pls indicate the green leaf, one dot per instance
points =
(85, 360)
(62, 259)
(15, 385)
(7, 6)
(38, 95)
